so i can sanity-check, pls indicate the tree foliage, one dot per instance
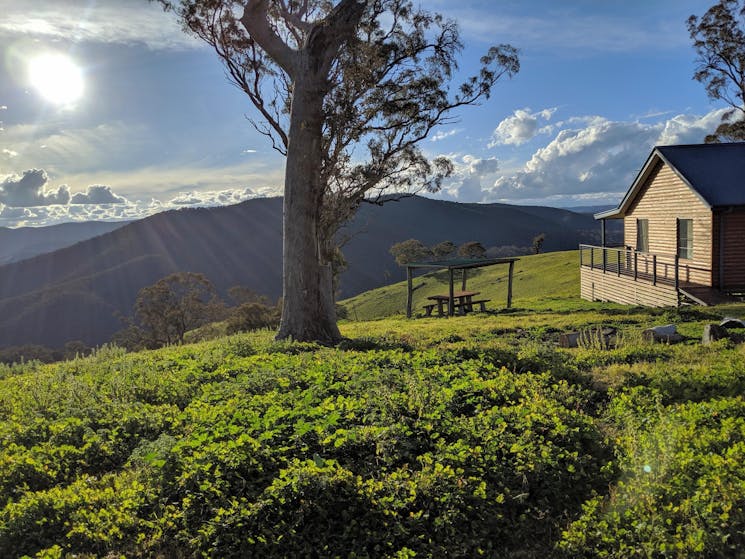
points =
(719, 41)
(411, 250)
(444, 249)
(346, 90)
(172, 306)
(538, 241)
(472, 249)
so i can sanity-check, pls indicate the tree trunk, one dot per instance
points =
(308, 313)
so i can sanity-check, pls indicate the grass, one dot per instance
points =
(541, 282)
(461, 437)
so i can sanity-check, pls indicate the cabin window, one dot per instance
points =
(642, 235)
(685, 238)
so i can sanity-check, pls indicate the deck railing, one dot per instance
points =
(645, 266)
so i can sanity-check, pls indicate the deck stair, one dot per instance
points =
(705, 295)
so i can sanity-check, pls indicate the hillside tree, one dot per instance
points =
(537, 245)
(411, 250)
(472, 249)
(444, 250)
(719, 41)
(174, 305)
(346, 90)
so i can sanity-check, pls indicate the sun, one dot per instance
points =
(56, 77)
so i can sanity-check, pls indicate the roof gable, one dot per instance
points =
(715, 173)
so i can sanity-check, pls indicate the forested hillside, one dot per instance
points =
(79, 292)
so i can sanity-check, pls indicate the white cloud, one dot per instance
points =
(97, 194)
(470, 174)
(689, 129)
(216, 197)
(29, 190)
(442, 134)
(9, 153)
(521, 127)
(599, 159)
(106, 21)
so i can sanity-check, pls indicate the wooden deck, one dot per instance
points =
(626, 276)
(622, 275)
(596, 285)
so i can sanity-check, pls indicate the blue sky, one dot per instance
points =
(158, 126)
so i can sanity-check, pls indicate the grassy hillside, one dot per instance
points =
(543, 281)
(469, 437)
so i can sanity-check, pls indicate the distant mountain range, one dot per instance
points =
(76, 293)
(591, 209)
(26, 242)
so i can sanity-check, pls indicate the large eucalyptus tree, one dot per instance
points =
(719, 41)
(346, 90)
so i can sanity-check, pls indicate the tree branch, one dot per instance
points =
(255, 20)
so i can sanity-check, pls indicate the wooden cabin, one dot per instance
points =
(684, 231)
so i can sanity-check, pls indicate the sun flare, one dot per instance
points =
(57, 78)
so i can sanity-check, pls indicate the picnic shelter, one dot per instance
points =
(455, 300)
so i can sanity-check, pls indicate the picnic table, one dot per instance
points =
(455, 300)
(461, 300)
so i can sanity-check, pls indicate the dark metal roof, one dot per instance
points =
(461, 263)
(715, 172)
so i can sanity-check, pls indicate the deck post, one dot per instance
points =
(605, 258)
(592, 258)
(654, 269)
(677, 278)
(618, 262)
(509, 285)
(581, 252)
(451, 304)
(463, 283)
(409, 292)
(636, 265)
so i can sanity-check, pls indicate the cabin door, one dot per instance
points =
(732, 248)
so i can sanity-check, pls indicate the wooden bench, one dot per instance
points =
(429, 308)
(464, 307)
(468, 306)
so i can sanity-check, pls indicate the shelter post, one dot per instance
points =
(409, 292)
(451, 305)
(509, 284)
(463, 283)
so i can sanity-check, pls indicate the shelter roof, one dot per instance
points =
(461, 263)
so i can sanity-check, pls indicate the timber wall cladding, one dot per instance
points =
(733, 246)
(662, 200)
(597, 286)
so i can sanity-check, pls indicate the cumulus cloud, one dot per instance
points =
(598, 159)
(470, 175)
(97, 194)
(29, 190)
(521, 127)
(9, 153)
(689, 129)
(215, 197)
